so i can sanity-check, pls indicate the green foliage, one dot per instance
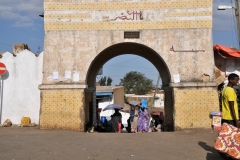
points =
(136, 83)
(105, 81)
(109, 81)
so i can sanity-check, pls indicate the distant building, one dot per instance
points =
(154, 108)
(106, 95)
(138, 98)
(227, 60)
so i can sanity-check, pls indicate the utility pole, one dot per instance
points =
(238, 20)
(156, 89)
(151, 109)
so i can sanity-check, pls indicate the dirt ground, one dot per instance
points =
(30, 143)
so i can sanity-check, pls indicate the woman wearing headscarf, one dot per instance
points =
(134, 118)
(143, 117)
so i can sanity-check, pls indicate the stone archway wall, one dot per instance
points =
(76, 32)
(130, 48)
(141, 50)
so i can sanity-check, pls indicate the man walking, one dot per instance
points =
(229, 102)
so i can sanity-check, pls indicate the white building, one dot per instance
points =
(20, 93)
(159, 101)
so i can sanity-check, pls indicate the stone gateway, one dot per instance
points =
(80, 36)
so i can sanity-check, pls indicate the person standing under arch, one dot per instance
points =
(116, 120)
(143, 117)
(134, 118)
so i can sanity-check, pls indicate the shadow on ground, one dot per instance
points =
(212, 153)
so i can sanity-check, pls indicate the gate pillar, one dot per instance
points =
(193, 102)
(63, 107)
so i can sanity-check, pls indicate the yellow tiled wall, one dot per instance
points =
(127, 25)
(192, 107)
(127, 5)
(62, 110)
(80, 15)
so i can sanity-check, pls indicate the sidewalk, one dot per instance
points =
(33, 144)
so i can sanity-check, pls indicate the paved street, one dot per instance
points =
(33, 144)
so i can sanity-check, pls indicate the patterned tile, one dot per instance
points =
(194, 113)
(180, 4)
(61, 109)
(127, 25)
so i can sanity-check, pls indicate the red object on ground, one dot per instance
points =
(226, 51)
(2, 68)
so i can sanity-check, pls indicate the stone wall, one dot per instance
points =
(77, 31)
(175, 35)
(75, 51)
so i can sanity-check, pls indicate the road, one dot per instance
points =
(31, 143)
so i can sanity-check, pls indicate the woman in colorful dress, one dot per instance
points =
(143, 117)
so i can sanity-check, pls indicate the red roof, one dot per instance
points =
(227, 52)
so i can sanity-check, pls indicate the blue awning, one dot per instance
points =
(104, 94)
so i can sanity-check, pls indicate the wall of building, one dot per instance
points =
(227, 65)
(63, 109)
(195, 105)
(119, 95)
(159, 103)
(72, 41)
(76, 55)
(103, 103)
(233, 66)
(21, 96)
(179, 32)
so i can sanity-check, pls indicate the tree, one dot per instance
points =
(105, 81)
(136, 83)
(109, 81)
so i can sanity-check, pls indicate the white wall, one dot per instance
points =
(102, 104)
(21, 96)
(233, 66)
(159, 103)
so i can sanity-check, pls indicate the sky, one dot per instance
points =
(20, 23)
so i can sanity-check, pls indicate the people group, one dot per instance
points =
(138, 121)
(139, 118)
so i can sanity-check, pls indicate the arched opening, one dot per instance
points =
(136, 49)
(133, 48)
